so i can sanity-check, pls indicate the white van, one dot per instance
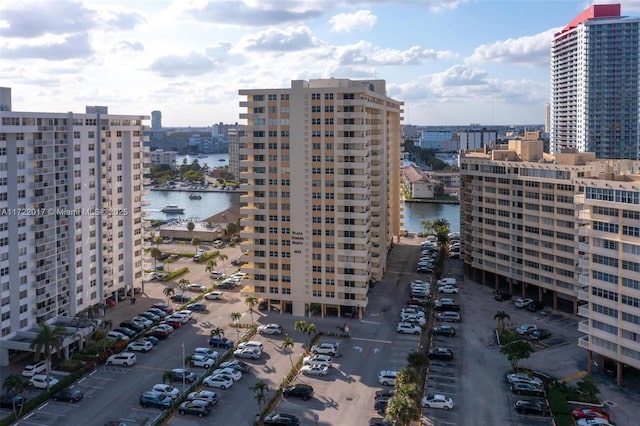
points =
(446, 281)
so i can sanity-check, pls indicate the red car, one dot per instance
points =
(109, 301)
(415, 302)
(163, 307)
(172, 322)
(590, 413)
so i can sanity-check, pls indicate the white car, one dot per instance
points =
(218, 381)
(317, 359)
(214, 295)
(251, 353)
(522, 302)
(185, 312)
(204, 395)
(523, 377)
(116, 335)
(231, 372)
(444, 301)
(32, 369)
(526, 329)
(217, 275)
(596, 421)
(414, 318)
(437, 401)
(164, 327)
(202, 361)
(40, 381)
(420, 282)
(411, 311)
(140, 346)
(448, 289)
(125, 359)
(408, 328)
(314, 370)
(172, 391)
(208, 352)
(198, 288)
(144, 321)
(252, 344)
(270, 329)
(325, 349)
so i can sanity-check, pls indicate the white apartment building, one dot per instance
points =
(71, 224)
(161, 157)
(321, 162)
(595, 104)
(540, 226)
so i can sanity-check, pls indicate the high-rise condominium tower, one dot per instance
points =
(71, 218)
(595, 93)
(322, 166)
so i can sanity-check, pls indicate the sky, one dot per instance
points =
(451, 62)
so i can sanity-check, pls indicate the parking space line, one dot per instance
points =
(437, 376)
(371, 340)
(92, 387)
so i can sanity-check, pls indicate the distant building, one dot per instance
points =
(476, 138)
(156, 120)
(439, 140)
(450, 179)
(235, 135)
(418, 183)
(595, 105)
(160, 157)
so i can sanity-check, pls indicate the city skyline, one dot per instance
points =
(188, 59)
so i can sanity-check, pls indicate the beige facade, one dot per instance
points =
(559, 229)
(160, 157)
(321, 162)
(418, 184)
(72, 224)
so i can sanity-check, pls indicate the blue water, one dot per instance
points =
(215, 202)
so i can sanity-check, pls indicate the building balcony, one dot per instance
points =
(584, 215)
(583, 262)
(583, 311)
(583, 247)
(579, 199)
(583, 342)
(582, 295)
(583, 327)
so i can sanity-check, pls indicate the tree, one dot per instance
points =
(15, 386)
(191, 226)
(223, 257)
(217, 332)
(168, 261)
(402, 409)
(406, 376)
(305, 327)
(195, 241)
(427, 227)
(47, 341)
(211, 266)
(287, 346)
(155, 253)
(232, 228)
(158, 240)
(235, 317)
(260, 393)
(106, 325)
(501, 316)
(168, 291)
(168, 377)
(417, 360)
(183, 284)
(517, 351)
(588, 386)
(251, 301)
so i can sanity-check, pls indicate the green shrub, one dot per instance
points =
(558, 401)
(176, 274)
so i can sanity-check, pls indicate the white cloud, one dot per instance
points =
(364, 53)
(192, 64)
(346, 22)
(281, 40)
(31, 19)
(54, 49)
(531, 51)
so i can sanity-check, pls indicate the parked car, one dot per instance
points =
(384, 393)
(197, 307)
(197, 407)
(440, 353)
(314, 370)
(126, 331)
(437, 401)
(133, 325)
(11, 401)
(387, 377)
(270, 329)
(535, 306)
(249, 353)
(280, 419)
(589, 413)
(197, 288)
(116, 335)
(531, 407)
(448, 316)
(155, 399)
(525, 329)
(218, 381)
(448, 289)
(41, 381)
(124, 359)
(180, 373)
(380, 405)
(530, 389)
(68, 395)
(163, 307)
(378, 421)
(523, 377)
(317, 359)
(181, 298)
(159, 312)
(140, 346)
(414, 319)
(253, 344)
(217, 275)
(408, 328)
(201, 361)
(204, 395)
(220, 342)
(143, 320)
(522, 302)
(151, 316)
(298, 390)
(213, 295)
(37, 368)
(172, 391)
(594, 421)
(157, 333)
(236, 365)
(444, 330)
(208, 352)
(325, 349)
(501, 296)
(154, 340)
(539, 334)
(226, 371)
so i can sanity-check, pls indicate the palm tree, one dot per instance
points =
(195, 241)
(168, 261)
(107, 325)
(232, 228)
(260, 390)
(158, 240)
(417, 360)
(168, 291)
(251, 301)
(211, 266)
(168, 377)
(191, 226)
(403, 409)
(155, 253)
(223, 257)
(235, 317)
(287, 346)
(427, 227)
(15, 386)
(183, 284)
(217, 332)
(501, 316)
(305, 327)
(406, 376)
(47, 341)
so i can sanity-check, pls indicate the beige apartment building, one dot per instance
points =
(321, 162)
(561, 229)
